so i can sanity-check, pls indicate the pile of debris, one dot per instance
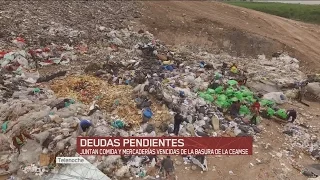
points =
(19, 60)
(137, 91)
(114, 99)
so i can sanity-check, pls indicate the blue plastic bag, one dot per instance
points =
(147, 113)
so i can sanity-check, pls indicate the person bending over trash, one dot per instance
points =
(84, 126)
(223, 68)
(19, 139)
(234, 109)
(178, 119)
(234, 68)
(167, 166)
(291, 114)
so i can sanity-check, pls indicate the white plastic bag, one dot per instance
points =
(277, 97)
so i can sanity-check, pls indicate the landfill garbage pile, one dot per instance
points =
(41, 24)
(18, 60)
(301, 138)
(134, 93)
(114, 99)
(278, 71)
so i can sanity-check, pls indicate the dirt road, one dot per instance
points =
(239, 31)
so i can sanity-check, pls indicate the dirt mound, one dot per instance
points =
(220, 27)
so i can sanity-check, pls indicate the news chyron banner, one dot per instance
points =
(164, 145)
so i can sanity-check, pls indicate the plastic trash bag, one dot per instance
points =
(222, 97)
(246, 93)
(118, 124)
(210, 91)
(202, 94)
(31, 77)
(270, 112)
(239, 95)
(208, 97)
(201, 163)
(277, 97)
(219, 103)
(229, 92)
(234, 99)
(250, 99)
(147, 113)
(219, 90)
(282, 113)
(266, 103)
(218, 76)
(244, 110)
(4, 126)
(232, 82)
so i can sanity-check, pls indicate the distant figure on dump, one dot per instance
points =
(256, 107)
(223, 68)
(19, 139)
(167, 166)
(291, 114)
(84, 126)
(178, 119)
(234, 68)
(234, 109)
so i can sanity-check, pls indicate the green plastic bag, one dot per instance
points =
(234, 99)
(218, 76)
(219, 90)
(250, 99)
(246, 93)
(282, 113)
(202, 94)
(238, 94)
(232, 82)
(36, 90)
(229, 92)
(67, 104)
(210, 91)
(270, 112)
(208, 97)
(222, 98)
(244, 110)
(265, 102)
(118, 124)
(219, 103)
(4, 126)
(244, 88)
(227, 104)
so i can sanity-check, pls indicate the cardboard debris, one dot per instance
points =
(115, 99)
(44, 159)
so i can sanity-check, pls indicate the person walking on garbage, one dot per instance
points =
(85, 126)
(254, 119)
(301, 87)
(178, 119)
(291, 114)
(20, 139)
(167, 166)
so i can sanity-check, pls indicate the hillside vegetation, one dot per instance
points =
(300, 12)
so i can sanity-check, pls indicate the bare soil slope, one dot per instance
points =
(238, 31)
